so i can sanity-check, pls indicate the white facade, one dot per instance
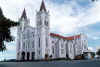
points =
(25, 39)
(64, 47)
(39, 43)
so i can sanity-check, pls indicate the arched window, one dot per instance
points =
(46, 42)
(33, 44)
(23, 56)
(19, 45)
(17, 55)
(39, 42)
(23, 45)
(46, 23)
(53, 50)
(33, 34)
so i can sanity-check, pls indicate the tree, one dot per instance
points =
(94, 0)
(5, 34)
(93, 54)
(98, 52)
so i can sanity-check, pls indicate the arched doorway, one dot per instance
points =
(46, 56)
(17, 56)
(23, 56)
(33, 55)
(28, 56)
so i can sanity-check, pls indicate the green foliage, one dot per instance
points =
(3, 47)
(5, 34)
(98, 52)
(93, 54)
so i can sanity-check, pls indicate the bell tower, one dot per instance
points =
(24, 22)
(43, 37)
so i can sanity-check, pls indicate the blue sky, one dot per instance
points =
(67, 17)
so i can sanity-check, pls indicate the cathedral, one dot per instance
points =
(39, 43)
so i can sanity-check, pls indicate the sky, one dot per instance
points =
(67, 17)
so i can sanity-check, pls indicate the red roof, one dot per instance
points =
(67, 38)
(42, 6)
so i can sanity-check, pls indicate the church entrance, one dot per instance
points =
(33, 55)
(28, 56)
(23, 55)
(46, 56)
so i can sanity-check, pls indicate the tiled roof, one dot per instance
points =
(67, 38)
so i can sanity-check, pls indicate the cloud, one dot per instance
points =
(91, 16)
(91, 49)
(11, 46)
(10, 53)
(94, 36)
(97, 47)
(66, 18)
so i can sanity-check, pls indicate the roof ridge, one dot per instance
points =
(67, 38)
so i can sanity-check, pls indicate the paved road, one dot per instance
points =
(93, 63)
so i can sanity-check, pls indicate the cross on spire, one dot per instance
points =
(24, 14)
(42, 6)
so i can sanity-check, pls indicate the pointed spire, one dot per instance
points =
(24, 14)
(1, 13)
(42, 6)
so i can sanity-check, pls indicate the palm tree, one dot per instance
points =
(5, 34)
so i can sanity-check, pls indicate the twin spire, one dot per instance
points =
(42, 7)
(24, 14)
